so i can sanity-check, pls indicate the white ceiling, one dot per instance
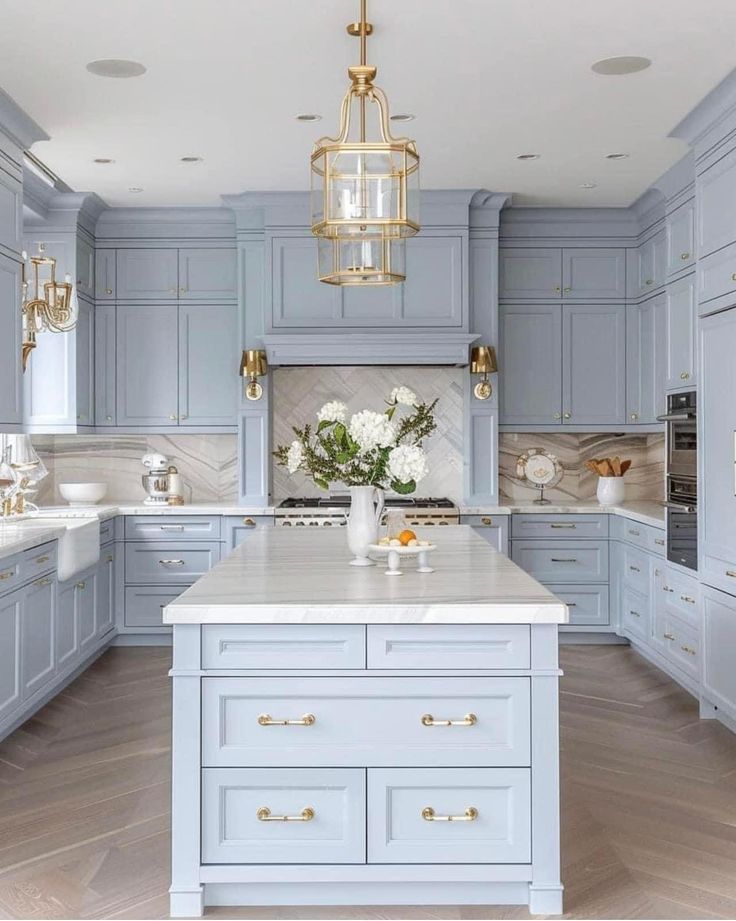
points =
(487, 80)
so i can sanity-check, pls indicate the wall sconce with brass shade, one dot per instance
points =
(483, 362)
(253, 365)
(365, 185)
(51, 305)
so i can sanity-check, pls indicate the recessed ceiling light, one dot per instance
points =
(308, 117)
(403, 117)
(135, 188)
(588, 185)
(528, 156)
(102, 160)
(626, 64)
(616, 156)
(191, 159)
(113, 67)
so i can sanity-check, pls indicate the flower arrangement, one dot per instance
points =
(371, 449)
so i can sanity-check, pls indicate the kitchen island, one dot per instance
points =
(344, 738)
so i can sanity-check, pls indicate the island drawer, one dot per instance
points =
(38, 560)
(642, 535)
(563, 560)
(9, 573)
(363, 722)
(172, 527)
(635, 569)
(539, 524)
(429, 646)
(167, 563)
(281, 646)
(588, 604)
(490, 809)
(241, 809)
(144, 604)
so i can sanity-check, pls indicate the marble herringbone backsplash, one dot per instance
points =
(299, 392)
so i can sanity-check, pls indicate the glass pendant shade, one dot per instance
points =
(372, 259)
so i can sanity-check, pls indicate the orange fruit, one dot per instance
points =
(406, 536)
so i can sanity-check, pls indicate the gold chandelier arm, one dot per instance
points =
(379, 97)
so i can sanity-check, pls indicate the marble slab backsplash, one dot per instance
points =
(207, 463)
(299, 392)
(645, 479)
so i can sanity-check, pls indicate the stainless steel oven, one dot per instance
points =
(682, 435)
(682, 479)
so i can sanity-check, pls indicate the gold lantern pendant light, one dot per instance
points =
(54, 310)
(365, 192)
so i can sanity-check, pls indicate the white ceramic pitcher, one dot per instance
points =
(366, 508)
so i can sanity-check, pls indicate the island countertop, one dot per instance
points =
(296, 577)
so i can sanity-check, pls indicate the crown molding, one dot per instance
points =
(17, 125)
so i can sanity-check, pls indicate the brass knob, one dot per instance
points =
(182, 290)
(557, 416)
(108, 290)
(249, 523)
(109, 418)
(172, 417)
(81, 585)
(668, 636)
(649, 281)
(733, 277)
(635, 416)
(684, 375)
(557, 288)
(486, 521)
(568, 415)
(568, 289)
(684, 256)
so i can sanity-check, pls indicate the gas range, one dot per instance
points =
(332, 511)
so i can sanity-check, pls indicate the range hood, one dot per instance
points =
(369, 348)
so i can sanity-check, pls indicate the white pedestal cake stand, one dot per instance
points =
(395, 554)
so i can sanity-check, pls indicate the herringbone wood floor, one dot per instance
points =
(649, 799)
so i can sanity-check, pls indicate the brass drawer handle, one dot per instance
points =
(249, 523)
(666, 588)
(470, 815)
(689, 650)
(634, 569)
(171, 527)
(557, 525)
(562, 559)
(42, 559)
(81, 586)
(265, 719)
(42, 582)
(470, 719)
(264, 815)
(486, 521)
(171, 562)
(110, 558)
(659, 541)
(733, 276)
(731, 573)
(635, 613)
(634, 532)
(8, 574)
(668, 636)
(572, 604)
(688, 599)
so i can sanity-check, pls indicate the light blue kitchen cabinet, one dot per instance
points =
(86, 603)
(207, 273)
(433, 291)
(594, 272)
(680, 333)
(652, 261)
(105, 363)
(209, 355)
(717, 447)
(85, 364)
(11, 389)
(11, 211)
(646, 360)
(105, 275)
(38, 655)
(718, 644)
(530, 359)
(717, 280)
(147, 274)
(593, 363)
(298, 297)
(147, 371)
(67, 626)
(680, 230)
(105, 590)
(530, 273)
(715, 193)
(10, 637)
(237, 529)
(85, 260)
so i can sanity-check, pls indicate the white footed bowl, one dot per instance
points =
(78, 494)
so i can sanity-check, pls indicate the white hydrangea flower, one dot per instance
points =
(408, 462)
(294, 456)
(334, 411)
(372, 430)
(403, 395)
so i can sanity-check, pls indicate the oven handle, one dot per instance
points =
(681, 508)
(676, 417)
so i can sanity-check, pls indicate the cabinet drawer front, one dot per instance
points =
(492, 528)
(169, 563)
(448, 646)
(635, 614)
(562, 560)
(326, 808)
(107, 530)
(358, 722)
(717, 571)
(38, 560)
(174, 527)
(682, 645)
(144, 604)
(641, 535)
(559, 526)
(682, 597)
(635, 569)
(406, 810)
(9, 574)
(717, 275)
(588, 604)
(283, 646)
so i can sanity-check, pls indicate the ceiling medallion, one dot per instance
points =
(365, 185)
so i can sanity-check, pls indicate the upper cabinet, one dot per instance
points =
(680, 231)
(573, 273)
(208, 364)
(147, 365)
(85, 279)
(680, 333)
(193, 274)
(593, 362)
(652, 258)
(105, 276)
(646, 360)
(11, 409)
(716, 198)
(207, 274)
(530, 359)
(11, 209)
(147, 274)
(433, 295)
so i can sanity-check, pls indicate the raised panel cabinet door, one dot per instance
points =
(715, 194)
(85, 364)
(105, 364)
(86, 602)
(11, 211)
(105, 589)
(67, 626)
(718, 644)
(593, 273)
(38, 653)
(237, 529)
(105, 275)
(645, 360)
(208, 273)
(85, 268)
(530, 364)
(530, 273)
(147, 274)
(147, 372)
(298, 297)
(594, 365)
(208, 364)
(10, 686)
(11, 383)
(680, 333)
(433, 290)
(652, 259)
(680, 230)
(372, 306)
(717, 444)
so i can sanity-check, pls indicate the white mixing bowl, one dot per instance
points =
(78, 494)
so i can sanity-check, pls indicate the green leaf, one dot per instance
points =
(342, 457)
(390, 412)
(403, 488)
(323, 425)
(340, 432)
(323, 484)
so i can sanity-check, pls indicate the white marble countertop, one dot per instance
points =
(284, 576)
(22, 534)
(109, 510)
(645, 511)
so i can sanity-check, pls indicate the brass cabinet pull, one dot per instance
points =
(110, 558)
(470, 719)
(470, 815)
(8, 574)
(635, 613)
(634, 532)
(562, 559)
(688, 599)
(265, 719)
(486, 521)
(635, 416)
(572, 604)
(81, 586)
(649, 281)
(567, 289)
(249, 523)
(557, 288)
(666, 588)
(264, 815)
(659, 541)
(42, 559)
(557, 416)
(42, 582)
(685, 376)
(684, 256)
(689, 650)
(731, 573)
(173, 417)
(557, 525)
(171, 562)
(634, 569)
(171, 527)
(568, 415)
(668, 636)
(733, 276)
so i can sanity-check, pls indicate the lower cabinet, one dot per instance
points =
(67, 625)
(492, 528)
(10, 627)
(237, 528)
(719, 642)
(38, 658)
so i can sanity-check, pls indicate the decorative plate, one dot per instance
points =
(539, 468)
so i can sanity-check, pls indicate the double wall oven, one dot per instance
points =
(682, 478)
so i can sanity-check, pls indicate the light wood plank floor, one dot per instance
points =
(649, 799)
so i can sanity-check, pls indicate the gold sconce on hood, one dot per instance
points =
(483, 362)
(253, 365)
